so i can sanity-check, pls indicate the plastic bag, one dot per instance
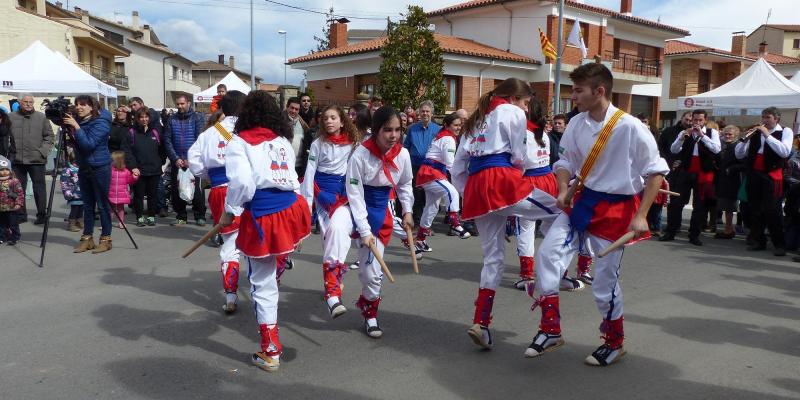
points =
(186, 185)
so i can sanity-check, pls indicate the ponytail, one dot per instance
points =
(478, 115)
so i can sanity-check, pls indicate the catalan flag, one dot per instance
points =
(548, 49)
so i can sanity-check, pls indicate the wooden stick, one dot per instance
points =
(202, 240)
(573, 189)
(619, 243)
(675, 194)
(412, 248)
(378, 258)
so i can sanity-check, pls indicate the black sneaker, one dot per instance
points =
(374, 332)
(756, 247)
(695, 241)
(140, 222)
(543, 342)
(337, 310)
(12, 243)
(459, 231)
(39, 220)
(667, 237)
(779, 252)
(604, 356)
(289, 263)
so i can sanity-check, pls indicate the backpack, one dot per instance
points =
(132, 133)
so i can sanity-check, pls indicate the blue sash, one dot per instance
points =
(269, 201)
(478, 164)
(538, 171)
(330, 187)
(377, 200)
(583, 210)
(436, 165)
(217, 176)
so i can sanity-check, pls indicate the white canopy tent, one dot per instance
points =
(39, 71)
(231, 81)
(796, 79)
(758, 87)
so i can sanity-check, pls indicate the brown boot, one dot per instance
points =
(79, 222)
(86, 243)
(103, 245)
(73, 226)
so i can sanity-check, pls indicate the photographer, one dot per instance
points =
(33, 135)
(90, 127)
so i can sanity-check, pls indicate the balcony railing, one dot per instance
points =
(632, 64)
(109, 77)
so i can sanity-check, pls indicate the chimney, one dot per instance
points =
(231, 62)
(77, 10)
(738, 45)
(135, 20)
(221, 59)
(762, 49)
(85, 16)
(626, 7)
(59, 4)
(146, 34)
(338, 35)
(41, 7)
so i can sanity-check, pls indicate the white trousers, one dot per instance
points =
(434, 192)
(537, 206)
(555, 256)
(228, 251)
(264, 289)
(370, 273)
(335, 232)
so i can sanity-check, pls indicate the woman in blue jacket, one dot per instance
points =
(90, 128)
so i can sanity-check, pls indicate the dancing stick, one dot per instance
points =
(619, 243)
(669, 193)
(411, 249)
(378, 258)
(202, 240)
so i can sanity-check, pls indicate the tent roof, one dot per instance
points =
(796, 79)
(40, 71)
(231, 81)
(758, 87)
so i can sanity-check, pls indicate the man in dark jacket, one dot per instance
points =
(8, 147)
(559, 126)
(668, 135)
(180, 134)
(136, 103)
(34, 138)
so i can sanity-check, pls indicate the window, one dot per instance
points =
(119, 68)
(80, 54)
(174, 72)
(451, 86)
(568, 24)
(617, 44)
(565, 105)
(796, 44)
(368, 89)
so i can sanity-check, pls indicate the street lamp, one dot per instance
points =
(283, 33)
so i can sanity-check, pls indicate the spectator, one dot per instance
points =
(72, 191)
(94, 163)
(180, 134)
(307, 112)
(12, 195)
(412, 115)
(728, 180)
(119, 139)
(301, 135)
(668, 135)
(137, 103)
(147, 145)
(33, 136)
(646, 121)
(375, 102)
(221, 90)
(8, 147)
(559, 126)
(119, 193)
(362, 119)
(418, 141)
(403, 122)
(792, 207)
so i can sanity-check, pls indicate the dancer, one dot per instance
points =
(206, 158)
(432, 177)
(324, 184)
(274, 219)
(377, 167)
(488, 171)
(612, 152)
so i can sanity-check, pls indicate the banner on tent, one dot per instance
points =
(754, 111)
(726, 112)
(691, 103)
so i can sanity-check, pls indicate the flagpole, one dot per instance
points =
(556, 100)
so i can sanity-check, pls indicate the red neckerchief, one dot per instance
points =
(496, 101)
(532, 126)
(444, 133)
(387, 160)
(340, 139)
(257, 135)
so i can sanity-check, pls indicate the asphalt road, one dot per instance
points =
(701, 323)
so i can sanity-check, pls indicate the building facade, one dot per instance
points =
(207, 73)
(781, 39)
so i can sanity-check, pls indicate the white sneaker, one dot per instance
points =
(523, 283)
(543, 342)
(355, 265)
(571, 284)
(605, 356)
(335, 307)
(373, 330)
(460, 232)
(265, 362)
(481, 336)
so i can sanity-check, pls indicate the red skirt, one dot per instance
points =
(546, 183)
(282, 231)
(426, 174)
(493, 189)
(216, 202)
(612, 220)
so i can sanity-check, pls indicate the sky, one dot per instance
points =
(202, 29)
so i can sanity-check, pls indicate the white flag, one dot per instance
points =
(576, 39)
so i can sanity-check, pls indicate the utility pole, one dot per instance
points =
(252, 54)
(557, 100)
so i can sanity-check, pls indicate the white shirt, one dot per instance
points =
(536, 156)
(365, 169)
(630, 155)
(297, 138)
(712, 142)
(503, 131)
(443, 150)
(782, 148)
(208, 151)
(270, 164)
(326, 157)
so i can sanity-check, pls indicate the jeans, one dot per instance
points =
(146, 185)
(36, 172)
(198, 202)
(9, 226)
(94, 183)
(654, 217)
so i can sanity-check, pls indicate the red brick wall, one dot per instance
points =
(469, 91)
(544, 92)
(623, 101)
(333, 91)
(682, 72)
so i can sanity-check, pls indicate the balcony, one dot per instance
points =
(109, 77)
(631, 64)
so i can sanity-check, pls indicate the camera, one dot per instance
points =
(57, 109)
